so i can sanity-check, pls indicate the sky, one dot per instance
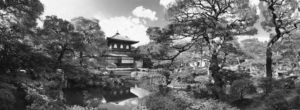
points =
(128, 17)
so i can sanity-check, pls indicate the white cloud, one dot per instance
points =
(129, 26)
(68, 9)
(142, 12)
(254, 2)
(166, 3)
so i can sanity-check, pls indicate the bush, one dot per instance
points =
(240, 88)
(202, 79)
(297, 83)
(282, 84)
(7, 99)
(295, 102)
(76, 107)
(201, 71)
(188, 79)
(160, 102)
(210, 104)
(230, 76)
(201, 83)
(276, 101)
(147, 85)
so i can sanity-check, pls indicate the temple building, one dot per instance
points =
(119, 50)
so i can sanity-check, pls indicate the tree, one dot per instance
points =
(281, 19)
(59, 38)
(157, 52)
(159, 48)
(20, 14)
(242, 87)
(18, 20)
(159, 101)
(255, 50)
(18, 23)
(287, 52)
(213, 23)
(163, 45)
(94, 44)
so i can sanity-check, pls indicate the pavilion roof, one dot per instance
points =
(119, 37)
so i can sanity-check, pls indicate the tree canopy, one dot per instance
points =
(281, 18)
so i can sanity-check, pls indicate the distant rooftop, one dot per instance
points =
(119, 37)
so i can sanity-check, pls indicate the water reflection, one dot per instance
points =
(117, 99)
(127, 104)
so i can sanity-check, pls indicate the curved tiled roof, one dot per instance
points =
(117, 36)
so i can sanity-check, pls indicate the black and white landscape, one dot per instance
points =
(149, 55)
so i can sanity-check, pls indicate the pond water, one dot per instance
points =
(116, 99)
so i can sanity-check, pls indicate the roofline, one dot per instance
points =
(131, 41)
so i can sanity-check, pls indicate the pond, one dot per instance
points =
(115, 99)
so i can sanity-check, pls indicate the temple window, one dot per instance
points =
(127, 46)
(115, 46)
(121, 46)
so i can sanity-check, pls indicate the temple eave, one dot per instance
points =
(122, 40)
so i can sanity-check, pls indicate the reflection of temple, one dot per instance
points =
(119, 51)
(118, 95)
(75, 96)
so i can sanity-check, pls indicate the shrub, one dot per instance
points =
(145, 84)
(160, 102)
(201, 83)
(230, 76)
(202, 79)
(297, 83)
(282, 84)
(298, 90)
(210, 104)
(7, 99)
(295, 102)
(201, 71)
(76, 107)
(276, 101)
(242, 87)
(188, 79)
(39, 100)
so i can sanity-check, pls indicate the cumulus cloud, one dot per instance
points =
(68, 9)
(254, 2)
(132, 27)
(142, 12)
(166, 3)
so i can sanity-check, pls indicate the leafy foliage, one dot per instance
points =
(92, 44)
(242, 87)
(277, 101)
(160, 102)
(230, 76)
(281, 17)
(7, 99)
(20, 15)
(214, 24)
(254, 48)
(58, 38)
(211, 104)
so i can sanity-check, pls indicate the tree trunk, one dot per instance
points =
(269, 69)
(214, 70)
(269, 62)
(81, 58)
(215, 74)
(61, 56)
